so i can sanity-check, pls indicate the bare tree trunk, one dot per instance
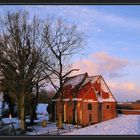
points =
(32, 111)
(53, 111)
(37, 94)
(63, 43)
(60, 115)
(74, 111)
(34, 103)
(22, 114)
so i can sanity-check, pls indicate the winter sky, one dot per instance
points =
(113, 42)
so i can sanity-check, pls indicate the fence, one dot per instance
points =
(58, 131)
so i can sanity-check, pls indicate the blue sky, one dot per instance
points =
(113, 43)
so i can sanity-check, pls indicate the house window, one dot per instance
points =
(89, 106)
(90, 118)
(107, 107)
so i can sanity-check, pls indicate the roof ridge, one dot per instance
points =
(78, 75)
(68, 78)
(94, 76)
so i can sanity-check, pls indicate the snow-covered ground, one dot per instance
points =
(41, 111)
(123, 125)
(39, 130)
(52, 129)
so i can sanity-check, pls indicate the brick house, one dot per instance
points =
(86, 100)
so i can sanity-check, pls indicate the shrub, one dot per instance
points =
(5, 113)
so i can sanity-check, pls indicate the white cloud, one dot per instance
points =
(90, 17)
(87, 17)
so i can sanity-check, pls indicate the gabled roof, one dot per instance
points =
(97, 86)
(71, 82)
(75, 80)
(100, 89)
(91, 79)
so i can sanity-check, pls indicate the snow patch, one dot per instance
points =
(91, 79)
(123, 125)
(42, 109)
(110, 99)
(89, 100)
(66, 99)
(76, 99)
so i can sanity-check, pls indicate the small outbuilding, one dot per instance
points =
(86, 100)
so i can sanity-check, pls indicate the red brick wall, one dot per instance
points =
(108, 113)
(105, 95)
(97, 86)
(93, 112)
(69, 112)
(82, 107)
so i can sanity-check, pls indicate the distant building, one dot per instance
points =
(87, 100)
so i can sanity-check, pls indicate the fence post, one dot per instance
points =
(58, 131)
(69, 128)
(36, 132)
(13, 128)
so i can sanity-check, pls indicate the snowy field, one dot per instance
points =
(123, 125)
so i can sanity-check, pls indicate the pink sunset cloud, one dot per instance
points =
(101, 63)
(109, 66)
(110, 63)
(127, 91)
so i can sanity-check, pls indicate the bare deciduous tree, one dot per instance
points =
(62, 41)
(20, 56)
(25, 63)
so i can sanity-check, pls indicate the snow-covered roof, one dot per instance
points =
(91, 79)
(75, 80)
(110, 99)
(103, 89)
(100, 88)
